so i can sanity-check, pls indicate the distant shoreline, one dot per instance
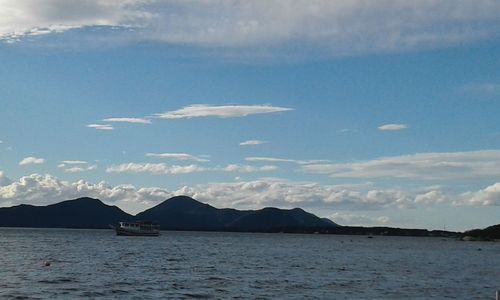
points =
(342, 230)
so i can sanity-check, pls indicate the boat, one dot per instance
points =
(139, 228)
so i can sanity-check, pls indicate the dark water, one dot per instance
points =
(98, 264)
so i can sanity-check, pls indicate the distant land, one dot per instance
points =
(487, 234)
(185, 213)
(177, 213)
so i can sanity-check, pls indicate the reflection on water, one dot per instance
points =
(98, 264)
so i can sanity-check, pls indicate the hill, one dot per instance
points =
(185, 213)
(177, 213)
(486, 234)
(77, 213)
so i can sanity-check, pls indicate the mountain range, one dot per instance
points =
(185, 213)
(177, 213)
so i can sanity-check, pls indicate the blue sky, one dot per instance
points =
(370, 114)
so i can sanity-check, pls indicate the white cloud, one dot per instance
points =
(31, 161)
(101, 126)
(39, 189)
(489, 196)
(162, 168)
(269, 159)
(284, 160)
(45, 189)
(432, 197)
(280, 193)
(252, 143)
(340, 27)
(24, 18)
(74, 162)
(443, 166)
(248, 169)
(76, 166)
(177, 156)
(157, 169)
(223, 111)
(128, 120)
(330, 27)
(80, 169)
(392, 127)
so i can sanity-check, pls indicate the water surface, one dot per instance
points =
(99, 264)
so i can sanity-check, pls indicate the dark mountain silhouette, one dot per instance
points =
(78, 213)
(486, 234)
(182, 213)
(272, 219)
(177, 213)
(185, 213)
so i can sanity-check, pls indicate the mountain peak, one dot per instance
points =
(81, 201)
(180, 204)
(182, 199)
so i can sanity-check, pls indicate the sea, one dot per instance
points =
(97, 264)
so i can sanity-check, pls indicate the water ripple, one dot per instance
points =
(190, 265)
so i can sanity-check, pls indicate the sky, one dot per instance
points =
(375, 113)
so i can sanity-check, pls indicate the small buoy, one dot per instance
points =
(46, 263)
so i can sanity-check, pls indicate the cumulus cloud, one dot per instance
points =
(223, 111)
(45, 189)
(423, 166)
(177, 156)
(392, 127)
(489, 196)
(128, 120)
(432, 197)
(281, 193)
(31, 161)
(39, 189)
(101, 126)
(333, 27)
(252, 143)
